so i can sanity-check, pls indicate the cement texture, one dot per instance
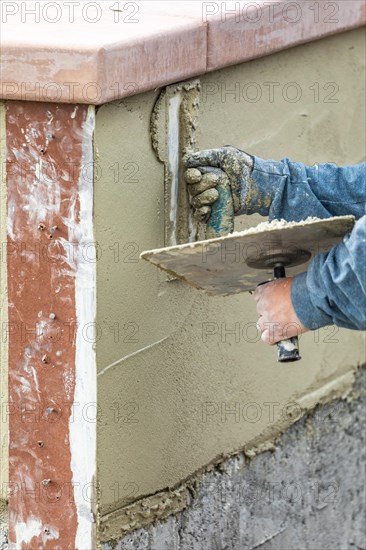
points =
(308, 494)
(182, 377)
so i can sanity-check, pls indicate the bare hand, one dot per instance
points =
(277, 317)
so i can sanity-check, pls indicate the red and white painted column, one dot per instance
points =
(51, 295)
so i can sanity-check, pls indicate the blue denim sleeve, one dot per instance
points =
(333, 290)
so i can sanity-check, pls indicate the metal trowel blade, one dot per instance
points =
(240, 261)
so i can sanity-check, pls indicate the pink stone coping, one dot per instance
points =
(97, 52)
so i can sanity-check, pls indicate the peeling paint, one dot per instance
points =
(26, 531)
(4, 425)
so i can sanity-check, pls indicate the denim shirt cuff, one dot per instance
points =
(266, 178)
(309, 315)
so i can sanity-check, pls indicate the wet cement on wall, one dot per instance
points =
(175, 366)
(3, 344)
(307, 493)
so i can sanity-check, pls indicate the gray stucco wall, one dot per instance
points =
(308, 494)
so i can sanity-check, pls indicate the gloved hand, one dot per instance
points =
(235, 163)
(201, 184)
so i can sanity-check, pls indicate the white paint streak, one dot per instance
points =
(53, 534)
(24, 532)
(69, 381)
(44, 193)
(39, 182)
(126, 357)
(173, 159)
(10, 219)
(82, 432)
(36, 382)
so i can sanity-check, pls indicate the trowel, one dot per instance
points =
(228, 262)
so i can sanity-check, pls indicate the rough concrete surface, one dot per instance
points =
(308, 494)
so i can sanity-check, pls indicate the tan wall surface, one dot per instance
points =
(156, 372)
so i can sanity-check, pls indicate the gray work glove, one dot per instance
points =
(202, 182)
(237, 165)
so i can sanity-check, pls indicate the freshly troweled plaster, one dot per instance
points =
(4, 427)
(183, 379)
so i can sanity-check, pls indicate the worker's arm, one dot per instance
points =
(285, 189)
(333, 291)
(292, 191)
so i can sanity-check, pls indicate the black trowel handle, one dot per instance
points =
(288, 350)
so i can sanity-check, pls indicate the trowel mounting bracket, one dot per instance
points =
(174, 124)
